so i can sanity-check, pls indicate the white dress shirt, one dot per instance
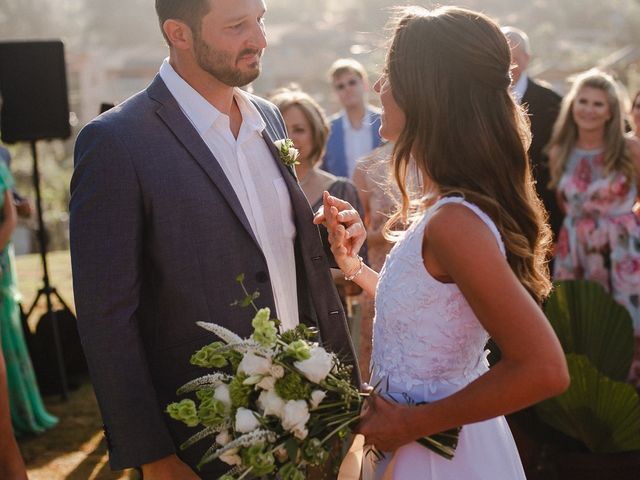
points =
(357, 141)
(256, 179)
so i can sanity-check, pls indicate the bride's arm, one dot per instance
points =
(532, 367)
(346, 235)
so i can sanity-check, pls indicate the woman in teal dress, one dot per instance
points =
(28, 414)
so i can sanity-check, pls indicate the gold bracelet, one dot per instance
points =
(358, 272)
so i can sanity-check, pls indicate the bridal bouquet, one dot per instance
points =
(281, 406)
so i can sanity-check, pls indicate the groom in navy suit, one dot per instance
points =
(174, 193)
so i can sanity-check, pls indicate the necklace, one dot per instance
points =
(306, 179)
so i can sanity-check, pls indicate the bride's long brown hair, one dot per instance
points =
(449, 73)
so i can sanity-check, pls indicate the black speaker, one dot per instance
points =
(33, 86)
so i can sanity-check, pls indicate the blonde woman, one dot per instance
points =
(595, 170)
(308, 128)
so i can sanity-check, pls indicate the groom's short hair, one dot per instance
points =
(187, 11)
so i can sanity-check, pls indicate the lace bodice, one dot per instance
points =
(425, 333)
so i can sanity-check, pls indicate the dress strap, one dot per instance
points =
(475, 209)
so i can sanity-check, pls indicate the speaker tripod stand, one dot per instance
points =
(47, 290)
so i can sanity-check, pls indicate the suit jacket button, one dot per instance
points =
(262, 277)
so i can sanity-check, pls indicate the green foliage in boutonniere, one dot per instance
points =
(288, 153)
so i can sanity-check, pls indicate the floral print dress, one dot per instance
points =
(600, 236)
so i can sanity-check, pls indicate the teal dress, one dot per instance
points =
(28, 414)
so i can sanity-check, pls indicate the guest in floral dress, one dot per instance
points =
(595, 169)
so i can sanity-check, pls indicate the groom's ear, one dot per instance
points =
(178, 34)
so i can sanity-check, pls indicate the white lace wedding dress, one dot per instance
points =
(428, 344)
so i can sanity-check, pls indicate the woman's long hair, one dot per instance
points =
(449, 71)
(565, 131)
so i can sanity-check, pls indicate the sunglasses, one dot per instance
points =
(352, 82)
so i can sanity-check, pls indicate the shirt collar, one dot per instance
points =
(366, 121)
(520, 87)
(199, 111)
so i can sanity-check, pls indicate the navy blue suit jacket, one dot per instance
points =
(335, 158)
(157, 239)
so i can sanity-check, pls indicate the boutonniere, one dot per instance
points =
(288, 153)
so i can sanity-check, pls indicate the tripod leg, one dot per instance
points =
(47, 287)
(35, 302)
(57, 295)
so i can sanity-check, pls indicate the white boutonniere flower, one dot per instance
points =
(288, 153)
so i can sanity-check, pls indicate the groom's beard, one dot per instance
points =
(224, 67)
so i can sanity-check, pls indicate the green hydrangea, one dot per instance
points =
(264, 330)
(204, 394)
(299, 350)
(212, 412)
(210, 356)
(184, 411)
(239, 392)
(261, 461)
(314, 453)
(291, 472)
(293, 387)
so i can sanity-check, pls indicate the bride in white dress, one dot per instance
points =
(470, 266)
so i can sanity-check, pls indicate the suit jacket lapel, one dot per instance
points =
(170, 112)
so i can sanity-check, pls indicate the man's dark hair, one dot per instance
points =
(187, 11)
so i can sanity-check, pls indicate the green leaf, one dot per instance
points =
(602, 413)
(588, 321)
(246, 301)
(291, 446)
(240, 278)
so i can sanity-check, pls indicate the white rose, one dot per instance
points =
(246, 420)
(317, 367)
(270, 403)
(277, 371)
(253, 364)
(223, 438)
(317, 396)
(279, 143)
(300, 433)
(296, 415)
(267, 383)
(221, 393)
(293, 153)
(231, 457)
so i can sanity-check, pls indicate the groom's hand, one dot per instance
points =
(168, 468)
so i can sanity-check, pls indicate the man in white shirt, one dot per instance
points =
(355, 130)
(175, 192)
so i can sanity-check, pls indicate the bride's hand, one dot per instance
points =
(384, 424)
(346, 230)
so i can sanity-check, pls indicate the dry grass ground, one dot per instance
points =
(75, 449)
